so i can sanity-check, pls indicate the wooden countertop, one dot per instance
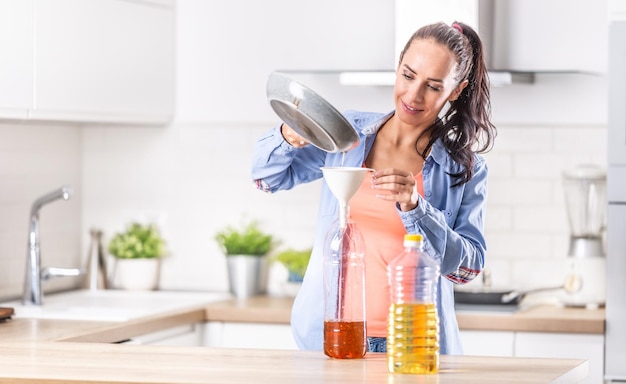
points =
(55, 351)
(54, 363)
(542, 318)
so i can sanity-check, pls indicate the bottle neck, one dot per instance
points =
(412, 245)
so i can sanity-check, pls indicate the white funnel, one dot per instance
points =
(343, 183)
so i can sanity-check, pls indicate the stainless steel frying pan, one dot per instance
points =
(311, 116)
(573, 283)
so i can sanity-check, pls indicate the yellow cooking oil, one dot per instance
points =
(413, 338)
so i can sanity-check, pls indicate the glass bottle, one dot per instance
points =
(413, 323)
(344, 291)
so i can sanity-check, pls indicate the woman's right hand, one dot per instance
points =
(292, 136)
(399, 186)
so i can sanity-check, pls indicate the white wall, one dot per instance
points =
(193, 176)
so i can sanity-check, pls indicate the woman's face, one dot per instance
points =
(424, 83)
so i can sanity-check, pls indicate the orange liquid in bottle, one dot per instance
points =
(344, 339)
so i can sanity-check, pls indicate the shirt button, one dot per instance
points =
(428, 194)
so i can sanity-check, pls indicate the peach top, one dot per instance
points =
(383, 232)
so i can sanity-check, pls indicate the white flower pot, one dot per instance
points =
(137, 274)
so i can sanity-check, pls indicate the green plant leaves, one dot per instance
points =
(248, 241)
(138, 242)
(294, 260)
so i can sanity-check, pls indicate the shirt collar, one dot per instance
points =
(377, 124)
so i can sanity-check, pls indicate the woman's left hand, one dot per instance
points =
(400, 185)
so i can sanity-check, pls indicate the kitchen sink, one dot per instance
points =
(111, 305)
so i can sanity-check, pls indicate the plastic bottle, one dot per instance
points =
(413, 324)
(344, 292)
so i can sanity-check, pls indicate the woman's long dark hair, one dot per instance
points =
(466, 127)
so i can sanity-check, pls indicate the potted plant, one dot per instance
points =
(245, 249)
(295, 261)
(137, 252)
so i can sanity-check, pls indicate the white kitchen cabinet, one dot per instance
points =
(565, 345)
(103, 61)
(539, 344)
(488, 343)
(551, 36)
(16, 58)
(248, 335)
(109, 61)
(322, 35)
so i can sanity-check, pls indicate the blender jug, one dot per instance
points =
(585, 199)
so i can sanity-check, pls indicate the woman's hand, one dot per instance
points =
(400, 185)
(292, 137)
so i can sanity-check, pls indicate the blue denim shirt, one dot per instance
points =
(450, 219)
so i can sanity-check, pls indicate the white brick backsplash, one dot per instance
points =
(500, 164)
(516, 191)
(528, 273)
(500, 269)
(541, 218)
(536, 166)
(580, 140)
(519, 244)
(498, 218)
(523, 139)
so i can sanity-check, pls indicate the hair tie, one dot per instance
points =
(457, 27)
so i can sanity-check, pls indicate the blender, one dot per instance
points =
(585, 200)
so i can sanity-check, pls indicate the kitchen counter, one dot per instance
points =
(48, 363)
(541, 318)
(53, 351)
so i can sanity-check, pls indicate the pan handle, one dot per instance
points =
(509, 297)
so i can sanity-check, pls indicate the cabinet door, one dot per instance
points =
(565, 346)
(487, 343)
(615, 283)
(556, 35)
(16, 58)
(617, 94)
(248, 335)
(104, 60)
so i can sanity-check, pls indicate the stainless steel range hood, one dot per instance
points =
(521, 38)
(411, 14)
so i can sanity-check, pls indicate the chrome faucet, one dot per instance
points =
(34, 273)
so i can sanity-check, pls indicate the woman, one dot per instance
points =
(428, 179)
